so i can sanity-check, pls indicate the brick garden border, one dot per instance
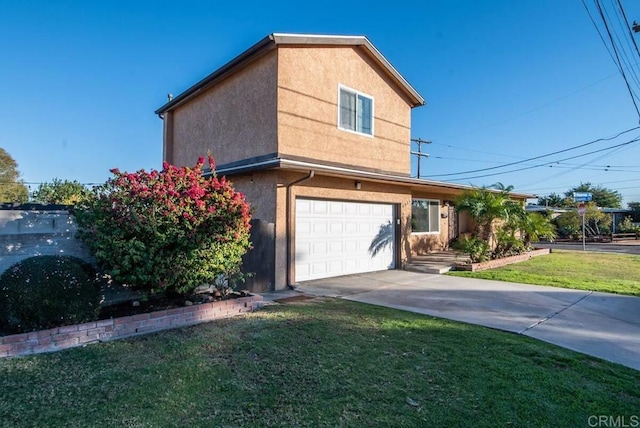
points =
(71, 336)
(491, 264)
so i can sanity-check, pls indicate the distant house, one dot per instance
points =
(617, 214)
(552, 212)
(315, 130)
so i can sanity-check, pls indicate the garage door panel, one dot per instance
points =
(333, 238)
(336, 247)
(320, 207)
(336, 208)
(336, 227)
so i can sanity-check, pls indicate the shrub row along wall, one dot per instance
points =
(32, 232)
(27, 233)
(491, 264)
(71, 336)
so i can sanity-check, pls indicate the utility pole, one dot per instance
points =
(419, 153)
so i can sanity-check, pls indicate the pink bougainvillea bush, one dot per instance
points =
(169, 230)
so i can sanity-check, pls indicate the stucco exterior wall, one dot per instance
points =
(465, 223)
(235, 120)
(259, 189)
(308, 79)
(423, 243)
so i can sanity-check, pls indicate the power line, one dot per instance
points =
(615, 51)
(537, 157)
(624, 16)
(580, 166)
(623, 51)
(538, 166)
(598, 31)
(558, 165)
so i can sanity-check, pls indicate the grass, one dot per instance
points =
(317, 363)
(609, 273)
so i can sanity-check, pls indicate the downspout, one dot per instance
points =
(312, 173)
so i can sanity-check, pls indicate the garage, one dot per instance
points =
(334, 238)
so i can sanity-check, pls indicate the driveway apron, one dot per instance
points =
(599, 324)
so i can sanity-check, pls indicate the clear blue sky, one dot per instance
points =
(504, 81)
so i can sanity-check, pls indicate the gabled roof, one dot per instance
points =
(277, 39)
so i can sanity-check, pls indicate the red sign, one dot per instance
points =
(582, 209)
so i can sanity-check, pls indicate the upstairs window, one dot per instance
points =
(425, 216)
(355, 111)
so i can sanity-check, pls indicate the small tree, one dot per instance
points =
(487, 205)
(627, 226)
(60, 192)
(596, 222)
(12, 189)
(552, 200)
(534, 226)
(169, 230)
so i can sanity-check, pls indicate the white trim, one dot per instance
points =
(319, 36)
(437, 232)
(373, 110)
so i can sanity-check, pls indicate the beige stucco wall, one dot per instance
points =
(308, 79)
(259, 189)
(423, 243)
(236, 119)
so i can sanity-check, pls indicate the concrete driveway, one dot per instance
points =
(599, 324)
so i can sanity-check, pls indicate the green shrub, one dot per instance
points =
(166, 231)
(477, 249)
(47, 291)
(627, 226)
(507, 245)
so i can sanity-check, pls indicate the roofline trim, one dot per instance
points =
(261, 47)
(319, 168)
(273, 40)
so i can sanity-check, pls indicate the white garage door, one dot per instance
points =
(335, 238)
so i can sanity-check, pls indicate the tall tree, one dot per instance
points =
(603, 197)
(60, 192)
(12, 189)
(552, 200)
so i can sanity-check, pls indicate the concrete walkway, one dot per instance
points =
(599, 324)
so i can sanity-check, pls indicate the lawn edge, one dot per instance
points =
(71, 336)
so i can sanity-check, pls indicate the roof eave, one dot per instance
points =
(275, 39)
(298, 165)
(261, 47)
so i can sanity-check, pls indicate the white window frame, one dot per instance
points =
(357, 94)
(429, 201)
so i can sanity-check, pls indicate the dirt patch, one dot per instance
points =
(294, 299)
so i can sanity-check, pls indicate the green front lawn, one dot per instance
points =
(317, 363)
(609, 273)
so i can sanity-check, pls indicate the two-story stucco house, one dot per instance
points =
(315, 130)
